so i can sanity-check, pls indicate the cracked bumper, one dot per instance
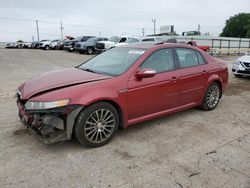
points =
(52, 125)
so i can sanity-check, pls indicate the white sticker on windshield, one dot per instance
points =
(140, 52)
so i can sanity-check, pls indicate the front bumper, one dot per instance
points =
(68, 48)
(241, 69)
(51, 125)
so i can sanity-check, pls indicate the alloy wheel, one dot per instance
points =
(213, 96)
(99, 126)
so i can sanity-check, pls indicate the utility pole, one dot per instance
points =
(37, 31)
(199, 29)
(61, 27)
(154, 21)
(143, 32)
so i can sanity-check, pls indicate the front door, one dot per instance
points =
(158, 93)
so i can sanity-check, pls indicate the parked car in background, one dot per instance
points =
(153, 39)
(15, 45)
(10, 45)
(241, 66)
(44, 44)
(61, 43)
(27, 45)
(69, 45)
(125, 85)
(35, 44)
(89, 46)
(193, 43)
(54, 44)
(105, 45)
(129, 41)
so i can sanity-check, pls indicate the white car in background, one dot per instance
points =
(153, 39)
(105, 45)
(241, 66)
(54, 44)
(129, 40)
(44, 44)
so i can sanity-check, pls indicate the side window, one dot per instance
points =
(123, 39)
(160, 61)
(200, 58)
(187, 57)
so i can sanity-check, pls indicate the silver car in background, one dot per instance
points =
(241, 66)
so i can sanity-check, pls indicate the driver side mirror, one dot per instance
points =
(145, 73)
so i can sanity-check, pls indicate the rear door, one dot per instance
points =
(158, 93)
(193, 75)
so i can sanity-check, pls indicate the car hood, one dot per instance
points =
(245, 58)
(57, 79)
(107, 42)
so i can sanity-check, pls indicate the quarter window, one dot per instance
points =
(187, 57)
(160, 61)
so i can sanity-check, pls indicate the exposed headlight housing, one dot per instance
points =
(33, 105)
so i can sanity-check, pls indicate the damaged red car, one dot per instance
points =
(120, 87)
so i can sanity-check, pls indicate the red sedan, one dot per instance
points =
(123, 86)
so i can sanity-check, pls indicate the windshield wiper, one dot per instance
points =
(90, 70)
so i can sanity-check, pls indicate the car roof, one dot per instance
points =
(149, 45)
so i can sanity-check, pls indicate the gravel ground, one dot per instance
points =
(188, 149)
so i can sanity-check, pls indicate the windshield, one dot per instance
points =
(56, 40)
(131, 40)
(113, 62)
(93, 39)
(114, 39)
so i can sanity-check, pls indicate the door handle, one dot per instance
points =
(204, 72)
(173, 79)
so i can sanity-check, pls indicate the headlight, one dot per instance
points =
(237, 63)
(32, 105)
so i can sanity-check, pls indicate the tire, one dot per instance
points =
(238, 75)
(90, 50)
(212, 97)
(46, 47)
(90, 129)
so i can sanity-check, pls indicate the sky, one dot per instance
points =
(112, 17)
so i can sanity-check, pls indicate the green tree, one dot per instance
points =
(237, 26)
(19, 40)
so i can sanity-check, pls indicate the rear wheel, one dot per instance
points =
(97, 124)
(212, 97)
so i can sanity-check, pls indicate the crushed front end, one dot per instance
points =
(51, 125)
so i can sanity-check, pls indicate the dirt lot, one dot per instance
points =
(189, 149)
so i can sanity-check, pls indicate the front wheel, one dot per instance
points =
(97, 124)
(212, 97)
(90, 50)
(47, 47)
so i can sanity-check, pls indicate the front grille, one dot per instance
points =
(100, 46)
(244, 72)
(246, 64)
(78, 45)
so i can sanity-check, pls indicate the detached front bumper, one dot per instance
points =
(51, 125)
